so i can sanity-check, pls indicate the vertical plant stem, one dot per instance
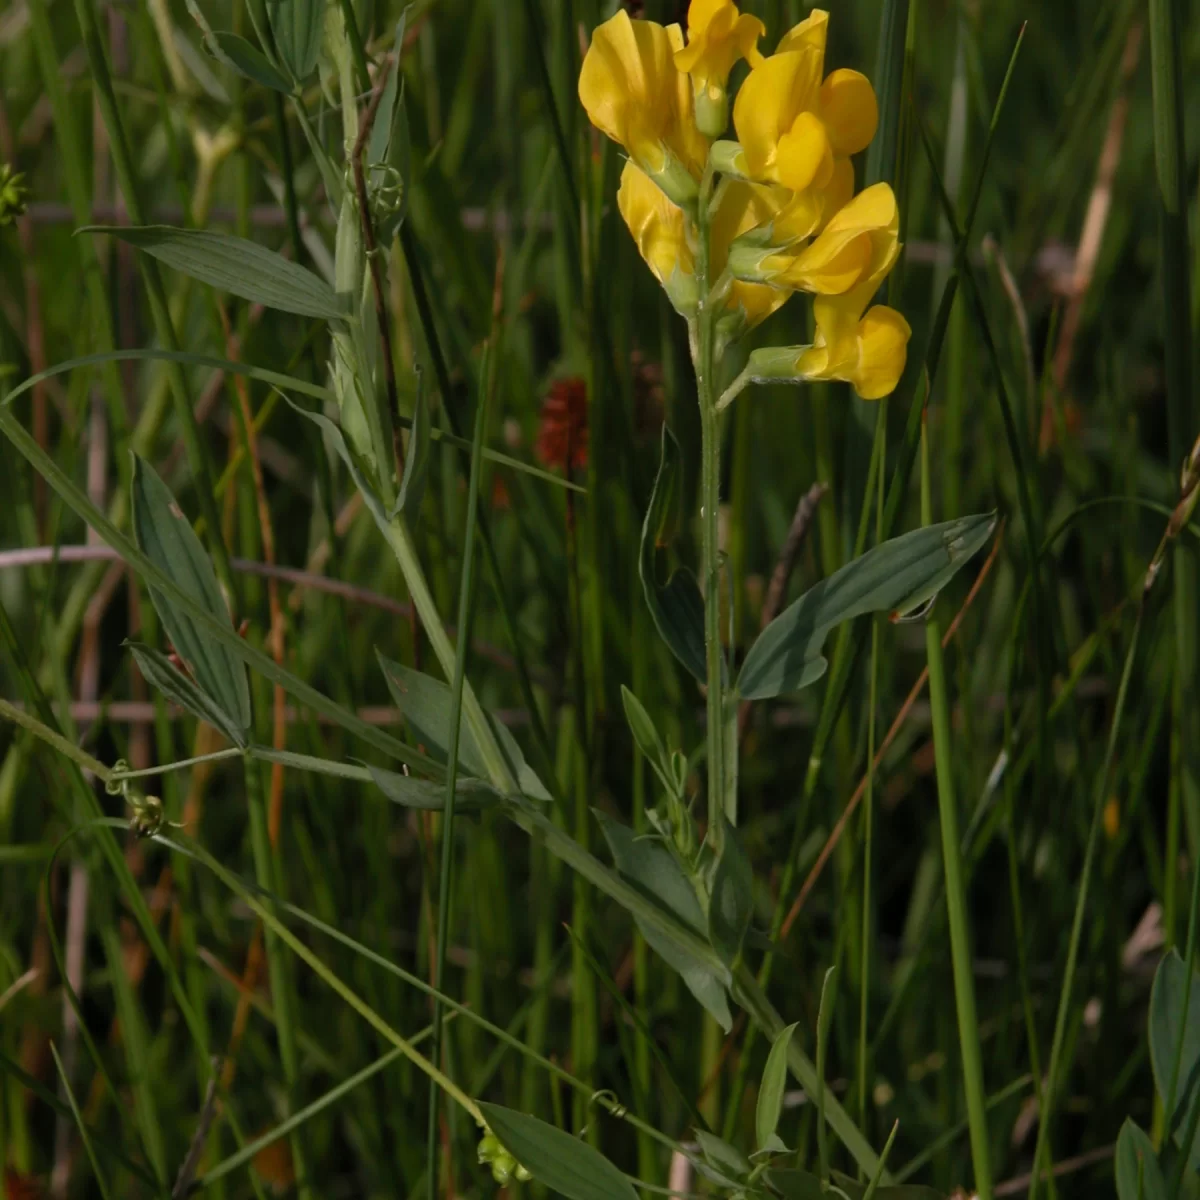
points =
(956, 901)
(720, 807)
(1170, 161)
(446, 874)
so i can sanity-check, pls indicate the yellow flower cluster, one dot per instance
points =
(783, 217)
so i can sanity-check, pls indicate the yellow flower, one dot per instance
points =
(631, 91)
(718, 35)
(739, 207)
(659, 229)
(791, 124)
(857, 247)
(868, 351)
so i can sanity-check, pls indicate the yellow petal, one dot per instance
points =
(810, 33)
(718, 35)
(739, 207)
(849, 110)
(657, 225)
(756, 300)
(856, 249)
(688, 144)
(839, 191)
(627, 86)
(804, 157)
(882, 351)
(873, 208)
(770, 99)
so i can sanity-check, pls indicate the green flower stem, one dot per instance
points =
(720, 806)
(956, 903)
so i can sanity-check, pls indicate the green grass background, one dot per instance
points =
(1070, 329)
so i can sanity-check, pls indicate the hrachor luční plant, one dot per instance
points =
(731, 228)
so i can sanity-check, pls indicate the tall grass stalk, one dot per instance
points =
(1166, 74)
(952, 865)
(466, 596)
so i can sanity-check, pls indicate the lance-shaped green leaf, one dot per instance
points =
(726, 1161)
(297, 26)
(248, 60)
(653, 870)
(770, 1090)
(469, 794)
(427, 705)
(896, 577)
(732, 897)
(160, 672)
(677, 606)
(646, 736)
(166, 537)
(416, 461)
(1175, 1046)
(1139, 1175)
(564, 1163)
(235, 265)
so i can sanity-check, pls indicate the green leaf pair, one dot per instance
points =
(427, 705)
(896, 577)
(217, 691)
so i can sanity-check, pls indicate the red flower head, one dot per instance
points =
(21, 1187)
(563, 436)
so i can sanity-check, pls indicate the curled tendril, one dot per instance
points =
(147, 816)
(114, 785)
(609, 1100)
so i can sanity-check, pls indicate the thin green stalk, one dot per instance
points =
(868, 817)
(51, 737)
(446, 874)
(76, 169)
(83, 1132)
(541, 738)
(1166, 32)
(159, 306)
(261, 909)
(956, 901)
(1064, 999)
(266, 863)
(720, 806)
(644, 1046)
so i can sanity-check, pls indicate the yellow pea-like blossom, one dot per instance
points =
(866, 350)
(660, 231)
(632, 91)
(718, 36)
(738, 208)
(792, 124)
(858, 246)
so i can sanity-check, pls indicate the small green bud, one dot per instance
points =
(12, 195)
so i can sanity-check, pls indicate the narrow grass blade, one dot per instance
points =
(79, 1124)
